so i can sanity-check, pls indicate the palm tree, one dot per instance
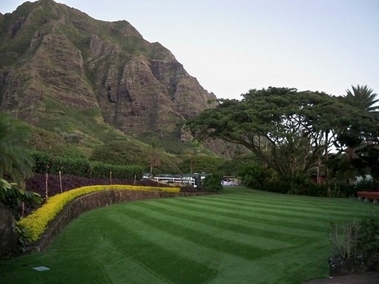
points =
(15, 162)
(365, 100)
(363, 97)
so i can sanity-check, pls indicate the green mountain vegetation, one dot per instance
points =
(83, 84)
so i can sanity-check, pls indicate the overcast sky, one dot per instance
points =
(236, 45)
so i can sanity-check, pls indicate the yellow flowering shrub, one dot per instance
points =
(36, 223)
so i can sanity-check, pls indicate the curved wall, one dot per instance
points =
(92, 201)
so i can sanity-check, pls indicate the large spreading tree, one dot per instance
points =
(290, 131)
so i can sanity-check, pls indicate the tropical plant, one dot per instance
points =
(360, 129)
(363, 97)
(15, 161)
(12, 196)
(357, 140)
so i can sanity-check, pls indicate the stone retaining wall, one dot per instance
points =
(92, 201)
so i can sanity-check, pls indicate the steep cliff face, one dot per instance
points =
(57, 62)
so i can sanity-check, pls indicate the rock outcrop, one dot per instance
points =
(56, 61)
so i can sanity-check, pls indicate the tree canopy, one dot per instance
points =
(290, 131)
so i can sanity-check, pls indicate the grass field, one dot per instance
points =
(241, 236)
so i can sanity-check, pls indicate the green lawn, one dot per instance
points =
(241, 236)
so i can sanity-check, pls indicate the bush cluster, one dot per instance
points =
(84, 168)
(213, 183)
(13, 197)
(260, 178)
(357, 240)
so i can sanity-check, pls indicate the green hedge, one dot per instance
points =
(83, 167)
(101, 170)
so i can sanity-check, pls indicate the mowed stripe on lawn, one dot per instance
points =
(291, 204)
(200, 222)
(254, 215)
(233, 224)
(241, 236)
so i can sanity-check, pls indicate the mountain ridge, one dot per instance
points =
(61, 70)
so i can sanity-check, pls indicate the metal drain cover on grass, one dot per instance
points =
(41, 268)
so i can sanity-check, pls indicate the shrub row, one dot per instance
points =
(258, 177)
(84, 168)
(36, 223)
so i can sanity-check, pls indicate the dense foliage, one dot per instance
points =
(261, 178)
(130, 153)
(15, 162)
(13, 197)
(15, 165)
(44, 163)
(357, 240)
(213, 183)
(368, 242)
(293, 133)
(201, 164)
